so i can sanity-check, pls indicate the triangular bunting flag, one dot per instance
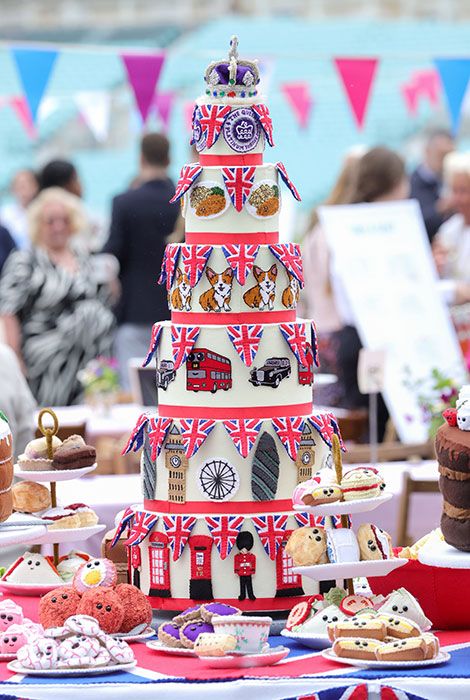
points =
(246, 340)
(262, 112)
(271, 531)
(143, 72)
(243, 432)
(169, 264)
(164, 104)
(326, 425)
(188, 175)
(357, 76)
(239, 181)
(289, 432)
(156, 335)
(157, 430)
(211, 119)
(316, 357)
(290, 256)
(194, 258)
(189, 111)
(281, 168)
(22, 111)
(454, 74)
(296, 337)
(182, 342)
(95, 108)
(125, 519)
(241, 258)
(141, 525)
(310, 520)
(34, 69)
(224, 530)
(194, 432)
(136, 439)
(178, 528)
(299, 97)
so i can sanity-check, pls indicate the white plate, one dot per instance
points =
(173, 651)
(22, 535)
(265, 658)
(313, 641)
(16, 667)
(129, 637)
(439, 553)
(7, 657)
(441, 658)
(325, 572)
(70, 534)
(29, 589)
(53, 474)
(361, 505)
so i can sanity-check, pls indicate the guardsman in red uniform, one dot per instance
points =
(245, 564)
(136, 563)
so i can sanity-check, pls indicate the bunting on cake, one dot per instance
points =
(192, 140)
(141, 525)
(271, 531)
(169, 262)
(241, 258)
(281, 168)
(125, 520)
(296, 337)
(224, 530)
(136, 439)
(262, 112)
(246, 340)
(178, 528)
(326, 425)
(194, 432)
(182, 342)
(310, 520)
(290, 256)
(188, 175)
(156, 431)
(238, 182)
(289, 432)
(211, 120)
(243, 433)
(195, 259)
(155, 339)
(313, 333)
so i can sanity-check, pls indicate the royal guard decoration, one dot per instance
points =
(194, 259)
(141, 525)
(290, 256)
(281, 168)
(241, 258)
(211, 120)
(244, 564)
(262, 112)
(188, 176)
(136, 439)
(157, 429)
(182, 342)
(238, 182)
(289, 431)
(243, 433)
(194, 432)
(326, 425)
(178, 529)
(296, 338)
(246, 339)
(271, 531)
(123, 523)
(224, 530)
(155, 339)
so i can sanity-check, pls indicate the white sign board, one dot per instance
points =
(381, 254)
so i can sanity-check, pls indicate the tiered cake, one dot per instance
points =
(235, 431)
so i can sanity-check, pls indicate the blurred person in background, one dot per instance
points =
(55, 312)
(7, 245)
(451, 246)
(141, 221)
(16, 399)
(426, 182)
(24, 187)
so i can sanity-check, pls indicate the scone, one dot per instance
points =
(29, 497)
(361, 482)
(358, 627)
(307, 546)
(214, 644)
(62, 518)
(74, 453)
(399, 627)
(357, 648)
(87, 516)
(35, 456)
(374, 543)
(413, 649)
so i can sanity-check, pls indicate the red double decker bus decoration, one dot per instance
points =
(206, 370)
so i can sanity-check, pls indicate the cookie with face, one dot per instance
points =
(84, 625)
(57, 605)
(14, 638)
(10, 614)
(119, 650)
(95, 573)
(137, 609)
(78, 651)
(104, 605)
(402, 603)
(40, 654)
(307, 546)
(357, 648)
(374, 543)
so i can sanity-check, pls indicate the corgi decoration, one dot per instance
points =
(290, 295)
(262, 295)
(218, 297)
(181, 295)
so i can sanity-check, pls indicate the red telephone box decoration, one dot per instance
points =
(287, 583)
(200, 584)
(159, 565)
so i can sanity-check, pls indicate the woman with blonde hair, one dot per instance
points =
(53, 309)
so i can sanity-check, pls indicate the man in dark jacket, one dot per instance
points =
(426, 181)
(141, 221)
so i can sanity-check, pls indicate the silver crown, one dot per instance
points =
(232, 74)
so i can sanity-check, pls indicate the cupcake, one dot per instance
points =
(74, 453)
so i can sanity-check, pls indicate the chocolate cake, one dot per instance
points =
(453, 456)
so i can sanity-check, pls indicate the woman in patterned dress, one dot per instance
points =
(55, 313)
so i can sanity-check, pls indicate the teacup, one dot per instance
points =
(251, 633)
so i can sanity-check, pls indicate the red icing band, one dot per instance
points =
(221, 238)
(260, 604)
(208, 508)
(360, 488)
(222, 319)
(248, 159)
(296, 409)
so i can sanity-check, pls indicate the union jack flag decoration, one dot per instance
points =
(157, 430)
(169, 262)
(188, 175)
(246, 340)
(239, 181)
(289, 432)
(194, 431)
(136, 439)
(290, 256)
(310, 520)
(363, 691)
(178, 528)
(296, 337)
(182, 342)
(326, 425)
(241, 258)
(141, 525)
(271, 531)
(155, 339)
(162, 277)
(281, 168)
(211, 119)
(192, 139)
(224, 530)
(316, 357)
(243, 432)
(262, 112)
(126, 518)
(195, 259)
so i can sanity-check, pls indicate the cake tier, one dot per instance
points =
(453, 455)
(453, 450)
(235, 284)
(201, 370)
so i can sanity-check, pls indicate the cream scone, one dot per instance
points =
(361, 482)
(35, 456)
(413, 649)
(357, 627)
(87, 516)
(62, 518)
(399, 627)
(353, 648)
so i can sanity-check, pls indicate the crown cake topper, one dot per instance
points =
(232, 77)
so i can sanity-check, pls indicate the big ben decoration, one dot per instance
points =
(306, 455)
(177, 464)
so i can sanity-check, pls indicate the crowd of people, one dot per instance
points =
(71, 290)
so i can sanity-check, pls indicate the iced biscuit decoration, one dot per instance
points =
(401, 602)
(169, 635)
(95, 573)
(414, 649)
(357, 648)
(399, 627)
(190, 631)
(374, 543)
(208, 644)
(78, 651)
(307, 546)
(119, 650)
(358, 627)
(40, 654)
(361, 482)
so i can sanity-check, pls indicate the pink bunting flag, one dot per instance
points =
(299, 97)
(163, 106)
(411, 97)
(357, 76)
(143, 72)
(22, 111)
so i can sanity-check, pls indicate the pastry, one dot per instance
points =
(58, 605)
(87, 516)
(358, 627)
(432, 645)
(357, 648)
(400, 602)
(318, 623)
(322, 479)
(403, 650)
(211, 644)
(74, 453)
(353, 604)
(189, 614)
(96, 572)
(32, 568)
(70, 563)
(29, 497)
(191, 630)
(374, 543)
(399, 627)
(10, 614)
(119, 650)
(169, 635)
(40, 654)
(83, 624)
(307, 546)
(78, 651)
(341, 545)
(208, 610)
(35, 456)
(62, 518)
(137, 609)
(105, 606)
(361, 482)
(305, 609)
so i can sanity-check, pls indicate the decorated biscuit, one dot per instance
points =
(399, 627)
(78, 651)
(119, 650)
(97, 572)
(189, 614)
(358, 627)
(413, 649)
(354, 648)
(40, 654)
(190, 631)
(83, 624)
(208, 610)
(14, 638)
(374, 543)
(169, 634)
(56, 632)
(212, 644)
(307, 546)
